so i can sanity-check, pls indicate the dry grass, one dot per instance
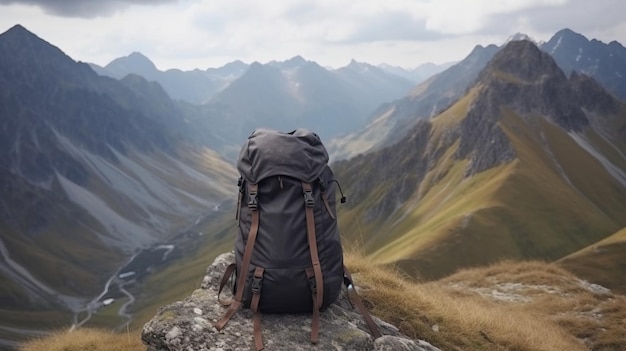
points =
(507, 306)
(86, 340)
(517, 306)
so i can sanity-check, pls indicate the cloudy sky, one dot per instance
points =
(189, 34)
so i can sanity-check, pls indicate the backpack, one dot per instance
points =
(288, 251)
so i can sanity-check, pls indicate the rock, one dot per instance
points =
(179, 326)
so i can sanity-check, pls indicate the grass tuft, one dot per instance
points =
(85, 340)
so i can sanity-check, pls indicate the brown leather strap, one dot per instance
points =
(219, 325)
(245, 262)
(247, 253)
(359, 304)
(254, 306)
(310, 230)
(315, 321)
(225, 278)
(239, 198)
(327, 205)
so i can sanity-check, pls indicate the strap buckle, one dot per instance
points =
(308, 198)
(253, 201)
(257, 284)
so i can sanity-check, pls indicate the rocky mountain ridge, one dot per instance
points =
(606, 63)
(572, 52)
(93, 169)
(195, 86)
(456, 177)
(282, 95)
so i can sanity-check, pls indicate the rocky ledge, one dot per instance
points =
(188, 325)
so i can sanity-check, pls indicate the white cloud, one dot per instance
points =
(205, 33)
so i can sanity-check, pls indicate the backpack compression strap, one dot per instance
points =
(318, 289)
(247, 256)
(257, 284)
(228, 273)
(347, 279)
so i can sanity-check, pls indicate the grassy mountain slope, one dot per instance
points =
(92, 170)
(450, 195)
(594, 260)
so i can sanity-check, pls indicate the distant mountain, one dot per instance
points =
(195, 86)
(134, 63)
(92, 170)
(390, 121)
(527, 164)
(372, 83)
(518, 37)
(300, 93)
(571, 51)
(606, 63)
(419, 74)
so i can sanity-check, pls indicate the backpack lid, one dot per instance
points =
(299, 154)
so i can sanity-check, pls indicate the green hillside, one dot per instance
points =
(553, 199)
(603, 263)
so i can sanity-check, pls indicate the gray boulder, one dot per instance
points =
(188, 326)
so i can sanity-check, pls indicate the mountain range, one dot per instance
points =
(93, 169)
(527, 164)
(284, 95)
(198, 86)
(606, 63)
(515, 152)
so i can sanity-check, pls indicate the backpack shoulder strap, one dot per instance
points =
(318, 290)
(247, 256)
(347, 279)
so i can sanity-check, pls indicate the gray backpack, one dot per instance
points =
(288, 251)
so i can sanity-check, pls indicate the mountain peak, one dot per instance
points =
(565, 39)
(529, 80)
(21, 48)
(18, 33)
(355, 63)
(136, 55)
(518, 37)
(296, 60)
(524, 60)
(136, 63)
(18, 28)
(293, 63)
(566, 32)
(135, 59)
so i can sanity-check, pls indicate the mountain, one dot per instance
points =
(593, 261)
(237, 98)
(195, 86)
(606, 63)
(390, 121)
(93, 170)
(527, 164)
(300, 93)
(372, 83)
(571, 51)
(134, 63)
(418, 74)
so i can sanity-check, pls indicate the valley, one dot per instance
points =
(116, 192)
